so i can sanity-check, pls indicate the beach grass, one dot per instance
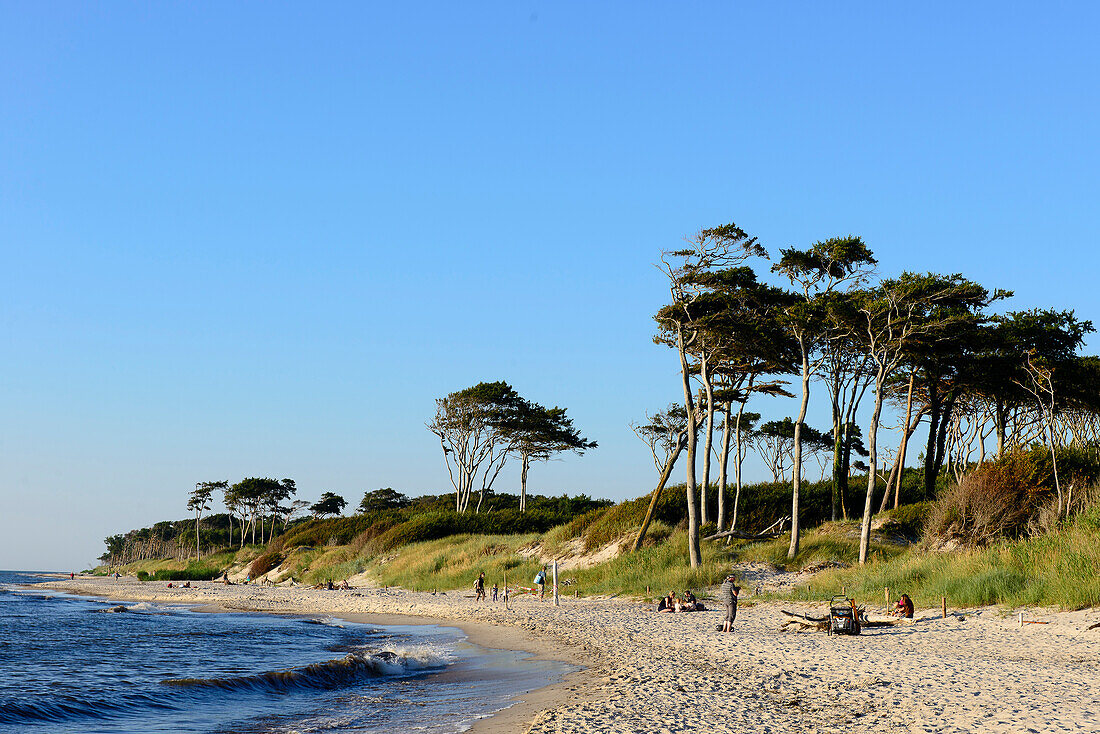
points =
(1058, 569)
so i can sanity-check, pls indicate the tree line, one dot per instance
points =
(927, 345)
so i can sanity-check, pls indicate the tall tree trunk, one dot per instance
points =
(723, 465)
(796, 471)
(908, 431)
(941, 437)
(695, 556)
(890, 482)
(198, 516)
(739, 457)
(1000, 418)
(838, 463)
(708, 443)
(681, 442)
(930, 468)
(526, 462)
(872, 475)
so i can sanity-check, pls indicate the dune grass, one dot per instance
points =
(1060, 569)
(454, 562)
(831, 542)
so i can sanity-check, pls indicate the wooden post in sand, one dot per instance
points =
(943, 602)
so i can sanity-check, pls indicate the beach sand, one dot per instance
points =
(649, 672)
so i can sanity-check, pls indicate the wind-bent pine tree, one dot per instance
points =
(895, 315)
(471, 427)
(709, 250)
(666, 435)
(816, 273)
(199, 502)
(536, 433)
(329, 504)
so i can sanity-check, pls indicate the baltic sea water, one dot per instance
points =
(79, 664)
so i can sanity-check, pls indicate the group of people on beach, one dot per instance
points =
(686, 603)
(479, 586)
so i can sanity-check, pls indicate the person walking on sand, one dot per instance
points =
(495, 592)
(479, 587)
(728, 596)
(540, 581)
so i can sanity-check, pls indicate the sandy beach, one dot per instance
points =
(649, 672)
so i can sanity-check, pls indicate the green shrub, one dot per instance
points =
(911, 519)
(142, 575)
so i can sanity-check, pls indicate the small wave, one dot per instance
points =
(69, 708)
(326, 621)
(327, 675)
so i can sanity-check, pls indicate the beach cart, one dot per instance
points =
(843, 617)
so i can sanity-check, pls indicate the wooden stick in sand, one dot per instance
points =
(943, 602)
(886, 593)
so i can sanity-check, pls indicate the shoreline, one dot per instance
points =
(649, 672)
(521, 709)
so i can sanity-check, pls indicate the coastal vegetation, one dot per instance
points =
(971, 517)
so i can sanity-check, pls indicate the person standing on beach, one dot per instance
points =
(540, 581)
(479, 587)
(728, 595)
(495, 592)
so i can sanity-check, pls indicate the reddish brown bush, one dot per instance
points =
(994, 501)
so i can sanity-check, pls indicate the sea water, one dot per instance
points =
(79, 664)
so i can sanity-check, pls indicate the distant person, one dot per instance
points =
(345, 585)
(495, 592)
(479, 587)
(667, 603)
(71, 575)
(728, 596)
(540, 581)
(904, 607)
(117, 576)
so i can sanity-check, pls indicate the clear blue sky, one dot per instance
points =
(260, 239)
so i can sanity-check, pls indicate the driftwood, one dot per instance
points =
(804, 621)
(801, 621)
(772, 531)
(742, 535)
(1092, 627)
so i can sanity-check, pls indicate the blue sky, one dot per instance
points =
(261, 239)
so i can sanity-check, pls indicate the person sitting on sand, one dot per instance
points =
(904, 607)
(666, 603)
(690, 603)
(345, 585)
(186, 585)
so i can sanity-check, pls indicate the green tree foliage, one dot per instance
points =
(198, 502)
(387, 498)
(329, 504)
(537, 433)
(471, 427)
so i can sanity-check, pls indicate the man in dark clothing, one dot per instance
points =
(479, 587)
(728, 596)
